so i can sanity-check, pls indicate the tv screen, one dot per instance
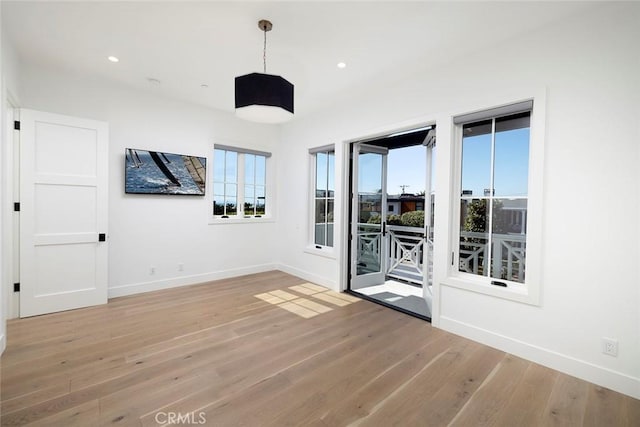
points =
(154, 172)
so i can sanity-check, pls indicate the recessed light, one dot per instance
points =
(341, 65)
(113, 59)
(152, 81)
(204, 86)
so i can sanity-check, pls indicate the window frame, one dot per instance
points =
(254, 183)
(528, 292)
(225, 183)
(312, 246)
(241, 216)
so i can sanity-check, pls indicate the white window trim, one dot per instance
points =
(530, 291)
(270, 201)
(313, 248)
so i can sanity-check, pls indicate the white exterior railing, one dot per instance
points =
(369, 246)
(408, 252)
(508, 255)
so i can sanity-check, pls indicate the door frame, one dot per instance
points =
(11, 219)
(345, 150)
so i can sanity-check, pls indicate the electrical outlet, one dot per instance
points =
(152, 271)
(180, 267)
(610, 347)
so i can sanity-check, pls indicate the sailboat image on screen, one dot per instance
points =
(154, 172)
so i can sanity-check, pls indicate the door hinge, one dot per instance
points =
(16, 124)
(16, 206)
(16, 287)
(453, 255)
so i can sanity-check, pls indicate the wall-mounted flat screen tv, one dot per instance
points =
(154, 172)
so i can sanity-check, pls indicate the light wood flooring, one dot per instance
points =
(231, 353)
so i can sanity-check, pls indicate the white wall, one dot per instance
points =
(589, 67)
(151, 230)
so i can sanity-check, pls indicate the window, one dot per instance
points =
(323, 195)
(239, 182)
(254, 184)
(225, 183)
(493, 193)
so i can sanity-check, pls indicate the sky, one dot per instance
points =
(511, 163)
(406, 166)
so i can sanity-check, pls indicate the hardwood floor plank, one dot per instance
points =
(528, 401)
(355, 358)
(127, 405)
(632, 411)
(265, 361)
(438, 403)
(389, 381)
(83, 415)
(313, 399)
(604, 407)
(57, 389)
(486, 404)
(218, 350)
(567, 402)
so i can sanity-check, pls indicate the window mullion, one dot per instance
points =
(489, 208)
(254, 202)
(240, 184)
(224, 183)
(326, 203)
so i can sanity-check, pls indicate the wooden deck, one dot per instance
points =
(263, 350)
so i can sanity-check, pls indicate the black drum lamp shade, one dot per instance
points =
(264, 98)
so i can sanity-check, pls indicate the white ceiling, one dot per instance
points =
(187, 44)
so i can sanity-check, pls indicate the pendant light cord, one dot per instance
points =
(264, 52)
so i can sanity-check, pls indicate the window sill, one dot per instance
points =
(325, 252)
(251, 220)
(519, 293)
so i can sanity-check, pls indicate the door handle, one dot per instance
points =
(102, 237)
(384, 228)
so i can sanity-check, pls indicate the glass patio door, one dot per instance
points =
(429, 206)
(369, 210)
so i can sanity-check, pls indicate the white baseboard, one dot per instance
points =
(136, 288)
(319, 280)
(599, 375)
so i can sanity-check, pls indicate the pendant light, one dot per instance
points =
(262, 97)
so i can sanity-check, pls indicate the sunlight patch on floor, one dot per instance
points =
(303, 306)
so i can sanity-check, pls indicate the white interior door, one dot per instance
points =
(368, 246)
(63, 212)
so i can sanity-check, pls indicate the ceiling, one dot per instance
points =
(185, 45)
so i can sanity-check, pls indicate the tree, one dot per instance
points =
(476, 217)
(391, 219)
(413, 219)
